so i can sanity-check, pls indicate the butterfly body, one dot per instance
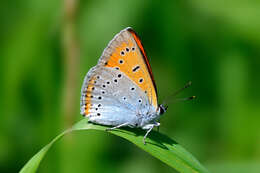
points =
(120, 89)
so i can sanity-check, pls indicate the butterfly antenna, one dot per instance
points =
(185, 99)
(168, 99)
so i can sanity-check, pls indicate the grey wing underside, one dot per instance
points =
(115, 99)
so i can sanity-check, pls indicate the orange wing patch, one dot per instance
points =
(140, 45)
(88, 96)
(128, 59)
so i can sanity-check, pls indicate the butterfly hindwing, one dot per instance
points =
(108, 95)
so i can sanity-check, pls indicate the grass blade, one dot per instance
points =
(158, 145)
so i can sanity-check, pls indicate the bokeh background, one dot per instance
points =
(47, 47)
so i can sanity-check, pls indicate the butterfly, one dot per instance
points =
(120, 90)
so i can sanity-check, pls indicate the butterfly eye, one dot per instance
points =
(141, 80)
(119, 75)
(127, 49)
(108, 82)
(117, 68)
(99, 105)
(132, 88)
(121, 61)
(98, 114)
(99, 97)
(133, 48)
(140, 100)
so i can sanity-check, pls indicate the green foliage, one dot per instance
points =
(158, 145)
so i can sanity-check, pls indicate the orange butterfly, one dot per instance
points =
(120, 90)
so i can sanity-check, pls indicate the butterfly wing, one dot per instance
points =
(126, 52)
(120, 84)
(109, 97)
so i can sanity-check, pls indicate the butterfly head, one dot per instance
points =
(162, 109)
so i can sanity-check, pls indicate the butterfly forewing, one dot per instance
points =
(126, 53)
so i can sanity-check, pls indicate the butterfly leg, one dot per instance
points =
(150, 128)
(158, 127)
(116, 127)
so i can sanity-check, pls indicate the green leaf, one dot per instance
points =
(157, 144)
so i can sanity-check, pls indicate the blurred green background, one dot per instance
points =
(47, 47)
